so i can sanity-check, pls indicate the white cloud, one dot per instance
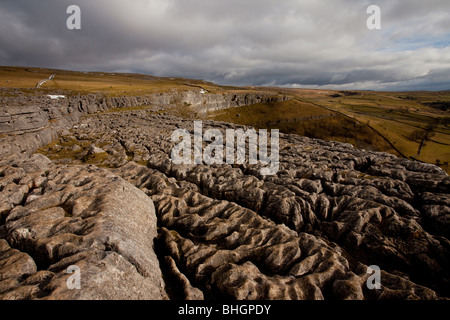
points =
(254, 42)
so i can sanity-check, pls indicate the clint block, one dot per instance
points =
(234, 146)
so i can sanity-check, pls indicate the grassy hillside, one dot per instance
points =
(307, 119)
(112, 84)
(416, 123)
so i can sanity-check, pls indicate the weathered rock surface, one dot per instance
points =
(28, 122)
(75, 216)
(309, 232)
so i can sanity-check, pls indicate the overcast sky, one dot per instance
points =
(293, 43)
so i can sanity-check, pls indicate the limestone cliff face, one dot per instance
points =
(71, 106)
(201, 102)
(109, 201)
(30, 122)
(212, 102)
(22, 119)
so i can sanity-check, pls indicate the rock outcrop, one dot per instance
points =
(112, 203)
(28, 122)
(55, 217)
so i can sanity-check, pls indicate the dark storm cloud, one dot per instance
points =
(294, 43)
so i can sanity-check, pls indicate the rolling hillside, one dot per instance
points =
(409, 124)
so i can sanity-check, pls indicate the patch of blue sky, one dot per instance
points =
(414, 43)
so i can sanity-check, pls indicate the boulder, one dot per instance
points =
(86, 217)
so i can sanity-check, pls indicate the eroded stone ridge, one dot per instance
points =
(54, 217)
(309, 232)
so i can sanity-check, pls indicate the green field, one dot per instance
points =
(409, 124)
(403, 118)
(306, 119)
